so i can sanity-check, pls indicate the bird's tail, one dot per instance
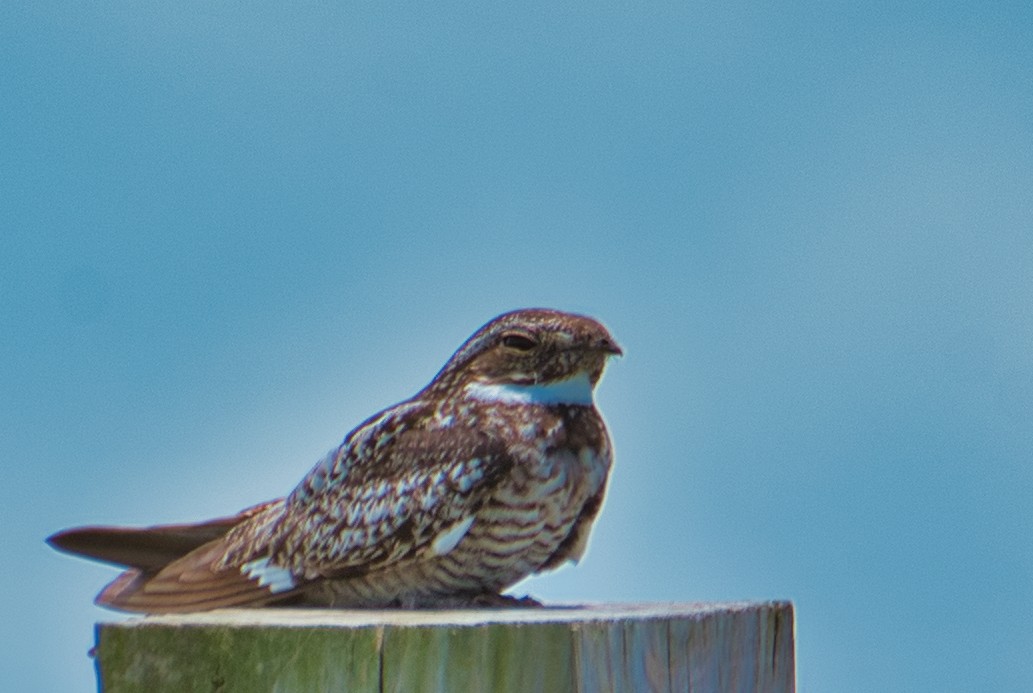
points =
(170, 568)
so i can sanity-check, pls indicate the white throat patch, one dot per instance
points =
(576, 390)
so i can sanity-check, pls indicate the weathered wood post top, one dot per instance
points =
(607, 647)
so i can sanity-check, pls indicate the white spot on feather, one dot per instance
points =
(269, 575)
(576, 390)
(450, 538)
(354, 513)
(375, 512)
(398, 507)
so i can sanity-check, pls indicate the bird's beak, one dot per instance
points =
(608, 346)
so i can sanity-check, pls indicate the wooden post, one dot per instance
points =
(618, 647)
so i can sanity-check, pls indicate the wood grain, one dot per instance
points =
(696, 648)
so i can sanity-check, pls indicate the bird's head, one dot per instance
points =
(533, 355)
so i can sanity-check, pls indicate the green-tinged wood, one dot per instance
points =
(510, 657)
(627, 647)
(228, 658)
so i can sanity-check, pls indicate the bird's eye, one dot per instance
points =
(520, 342)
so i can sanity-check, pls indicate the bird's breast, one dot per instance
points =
(561, 459)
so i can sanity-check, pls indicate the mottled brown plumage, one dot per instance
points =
(492, 472)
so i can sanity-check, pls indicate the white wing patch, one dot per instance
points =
(450, 538)
(274, 577)
(575, 390)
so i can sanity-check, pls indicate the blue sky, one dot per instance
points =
(231, 232)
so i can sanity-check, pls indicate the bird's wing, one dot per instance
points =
(392, 490)
(417, 493)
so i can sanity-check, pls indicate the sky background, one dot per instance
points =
(230, 232)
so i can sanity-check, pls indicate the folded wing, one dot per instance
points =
(416, 494)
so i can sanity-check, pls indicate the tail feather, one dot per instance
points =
(173, 568)
(146, 548)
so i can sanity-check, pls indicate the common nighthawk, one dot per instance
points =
(492, 472)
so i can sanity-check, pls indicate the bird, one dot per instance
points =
(494, 471)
